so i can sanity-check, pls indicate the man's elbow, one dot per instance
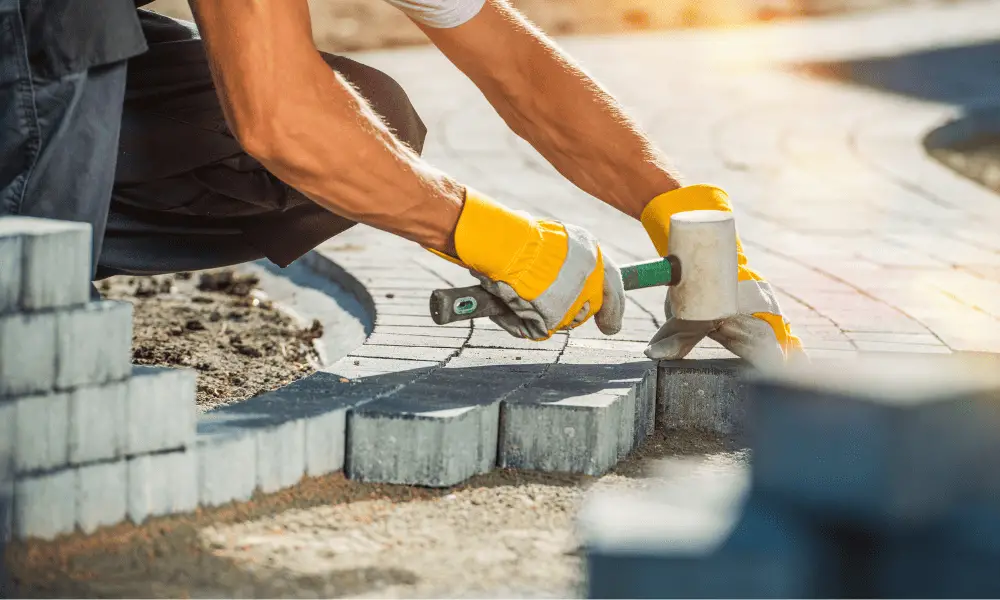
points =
(257, 136)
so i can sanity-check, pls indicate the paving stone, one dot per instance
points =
(421, 341)
(300, 428)
(42, 431)
(489, 338)
(698, 538)
(413, 309)
(404, 352)
(904, 348)
(325, 443)
(27, 353)
(701, 394)
(227, 467)
(884, 409)
(437, 432)
(281, 455)
(451, 332)
(101, 495)
(512, 361)
(11, 259)
(576, 418)
(363, 368)
(45, 505)
(56, 261)
(416, 321)
(94, 344)
(160, 409)
(162, 484)
(97, 422)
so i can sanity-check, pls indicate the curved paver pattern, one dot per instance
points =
(872, 246)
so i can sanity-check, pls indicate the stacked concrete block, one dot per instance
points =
(74, 412)
(873, 478)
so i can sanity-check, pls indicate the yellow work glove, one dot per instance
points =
(758, 332)
(552, 276)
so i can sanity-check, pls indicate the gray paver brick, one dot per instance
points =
(363, 367)
(45, 505)
(27, 353)
(423, 341)
(42, 432)
(159, 409)
(281, 455)
(10, 272)
(162, 484)
(404, 352)
(325, 441)
(415, 321)
(520, 361)
(97, 422)
(227, 467)
(101, 495)
(94, 344)
(56, 264)
(576, 434)
(702, 394)
(576, 418)
(491, 338)
(451, 332)
(437, 432)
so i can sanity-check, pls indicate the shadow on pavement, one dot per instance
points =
(966, 76)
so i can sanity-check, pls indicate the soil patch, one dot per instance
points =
(505, 533)
(978, 159)
(220, 324)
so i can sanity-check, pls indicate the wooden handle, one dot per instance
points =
(461, 304)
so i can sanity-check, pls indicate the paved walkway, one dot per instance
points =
(873, 245)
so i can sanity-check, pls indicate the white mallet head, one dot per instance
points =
(704, 241)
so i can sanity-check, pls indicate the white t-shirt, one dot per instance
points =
(439, 14)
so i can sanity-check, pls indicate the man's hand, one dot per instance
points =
(758, 332)
(552, 276)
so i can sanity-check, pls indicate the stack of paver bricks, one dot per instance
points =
(869, 479)
(94, 440)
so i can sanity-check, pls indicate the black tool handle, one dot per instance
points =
(459, 304)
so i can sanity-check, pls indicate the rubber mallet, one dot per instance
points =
(700, 269)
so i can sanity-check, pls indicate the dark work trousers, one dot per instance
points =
(141, 151)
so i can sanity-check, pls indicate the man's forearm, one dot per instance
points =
(554, 105)
(309, 128)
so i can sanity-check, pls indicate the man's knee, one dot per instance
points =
(385, 96)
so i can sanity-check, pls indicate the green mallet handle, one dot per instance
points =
(460, 304)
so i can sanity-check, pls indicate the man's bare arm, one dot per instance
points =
(309, 128)
(553, 104)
